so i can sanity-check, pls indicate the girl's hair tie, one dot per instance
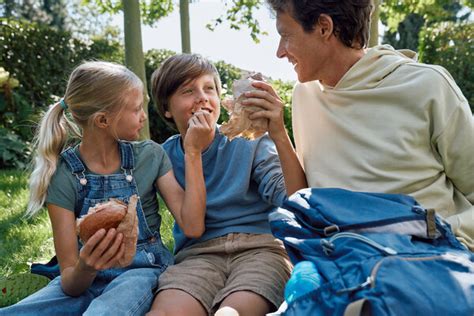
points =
(63, 104)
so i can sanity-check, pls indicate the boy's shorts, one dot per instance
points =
(213, 269)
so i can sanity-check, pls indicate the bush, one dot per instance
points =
(16, 127)
(17, 114)
(451, 45)
(41, 59)
(14, 123)
(14, 152)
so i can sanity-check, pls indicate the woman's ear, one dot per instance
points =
(326, 26)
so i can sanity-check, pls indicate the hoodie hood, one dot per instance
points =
(377, 63)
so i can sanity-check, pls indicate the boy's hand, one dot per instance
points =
(266, 98)
(200, 132)
(102, 251)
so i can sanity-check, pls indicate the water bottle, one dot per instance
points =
(304, 278)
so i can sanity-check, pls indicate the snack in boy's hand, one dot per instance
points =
(239, 124)
(113, 214)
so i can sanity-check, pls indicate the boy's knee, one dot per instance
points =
(176, 302)
(166, 310)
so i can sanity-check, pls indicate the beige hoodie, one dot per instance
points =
(391, 125)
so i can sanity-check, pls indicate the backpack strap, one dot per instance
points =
(77, 169)
(356, 308)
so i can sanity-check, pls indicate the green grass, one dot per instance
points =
(23, 240)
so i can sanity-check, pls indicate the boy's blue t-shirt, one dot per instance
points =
(151, 162)
(244, 183)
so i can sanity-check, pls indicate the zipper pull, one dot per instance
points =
(328, 246)
(367, 282)
(389, 251)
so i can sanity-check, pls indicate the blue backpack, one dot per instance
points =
(378, 254)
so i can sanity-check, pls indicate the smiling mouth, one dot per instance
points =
(207, 110)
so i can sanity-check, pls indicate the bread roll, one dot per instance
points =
(113, 214)
(105, 215)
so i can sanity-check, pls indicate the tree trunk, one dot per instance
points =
(9, 6)
(134, 58)
(374, 25)
(184, 17)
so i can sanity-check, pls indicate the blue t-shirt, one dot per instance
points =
(244, 183)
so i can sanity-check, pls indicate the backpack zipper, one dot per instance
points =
(328, 245)
(419, 214)
(375, 269)
(373, 274)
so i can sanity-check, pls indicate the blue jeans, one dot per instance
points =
(130, 293)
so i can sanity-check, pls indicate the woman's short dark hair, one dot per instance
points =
(351, 18)
(175, 71)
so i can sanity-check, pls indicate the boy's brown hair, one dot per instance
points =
(351, 18)
(175, 71)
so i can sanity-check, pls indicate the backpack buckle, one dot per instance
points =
(331, 230)
(431, 223)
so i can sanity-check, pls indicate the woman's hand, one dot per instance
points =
(102, 251)
(266, 98)
(200, 132)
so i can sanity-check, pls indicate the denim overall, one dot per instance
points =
(119, 291)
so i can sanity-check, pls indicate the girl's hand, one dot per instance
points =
(272, 108)
(200, 132)
(102, 251)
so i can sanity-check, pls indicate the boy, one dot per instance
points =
(236, 262)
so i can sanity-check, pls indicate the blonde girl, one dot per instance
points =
(104, 101)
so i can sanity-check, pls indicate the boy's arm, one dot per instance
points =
(189, 207)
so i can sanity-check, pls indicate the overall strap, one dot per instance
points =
(74, 163)
(77, 168)
(126, 156)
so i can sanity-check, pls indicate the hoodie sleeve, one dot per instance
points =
(454, 143)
